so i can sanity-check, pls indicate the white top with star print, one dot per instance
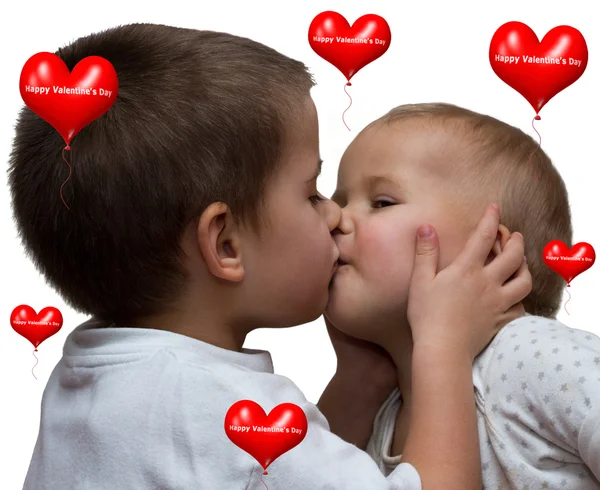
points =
(537, 391)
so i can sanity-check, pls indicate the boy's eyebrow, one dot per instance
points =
(318, 170)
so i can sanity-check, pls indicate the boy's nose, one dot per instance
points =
(333, 215)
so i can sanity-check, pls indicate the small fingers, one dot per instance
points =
(517, 288)
(510, 260)
(426, 257)
(482, 240)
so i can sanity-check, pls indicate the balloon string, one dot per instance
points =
(263, 482)
(36, 363)
(536, 118)
(70, 170)
(347, 85)
(567, 300)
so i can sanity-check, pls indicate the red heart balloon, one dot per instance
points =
(569, 263)
(349, 48)
(538, 70)
(36, 327)
(265, 438)
(68, 101)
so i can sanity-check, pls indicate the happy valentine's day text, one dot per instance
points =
(547, 60)
(258, 428)
(562, 257)
(348, 40)
(33, 322)
(69, 91)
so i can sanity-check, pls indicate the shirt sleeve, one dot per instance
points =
(321, 460)
(325, 461)
(544, 379)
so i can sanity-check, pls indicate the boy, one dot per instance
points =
(537, 386)
(194, 219)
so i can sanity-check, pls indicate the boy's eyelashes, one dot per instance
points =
(317, 198)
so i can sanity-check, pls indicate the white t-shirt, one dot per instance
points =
(537, 390)
(144, 409)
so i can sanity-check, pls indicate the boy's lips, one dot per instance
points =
(343, 260)
(340, 264)
(337, 265)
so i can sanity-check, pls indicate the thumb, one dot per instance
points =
(426, 254)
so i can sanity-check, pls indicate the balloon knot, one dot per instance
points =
(265, 473)
(537, 118)
(348, 84)
(67, 148)
(34, 350)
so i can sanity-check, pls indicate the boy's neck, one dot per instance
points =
(199, 322)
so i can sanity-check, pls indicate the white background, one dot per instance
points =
(439, 52)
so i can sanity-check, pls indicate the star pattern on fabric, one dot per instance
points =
(537, 382)
(558, 377)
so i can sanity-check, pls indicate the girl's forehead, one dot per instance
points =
(400, 159)
(387, 152)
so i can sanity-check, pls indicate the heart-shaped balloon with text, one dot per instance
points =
(569, 263)
(265, 437)
(69, 101)
(36, 327)
(349, 48)
(538, 70)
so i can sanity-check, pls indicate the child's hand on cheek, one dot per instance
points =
(466, 304)
(453, 315)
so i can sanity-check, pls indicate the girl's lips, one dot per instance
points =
(340, 266)
(337, 266)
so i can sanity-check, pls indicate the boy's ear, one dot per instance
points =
(220, 242)
(501, 239)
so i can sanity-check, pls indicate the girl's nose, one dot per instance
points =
(345, 225)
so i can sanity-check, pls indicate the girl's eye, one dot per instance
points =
(317, 198)
(379, 203)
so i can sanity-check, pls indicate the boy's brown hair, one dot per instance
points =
(491, 161)
(200, 117)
